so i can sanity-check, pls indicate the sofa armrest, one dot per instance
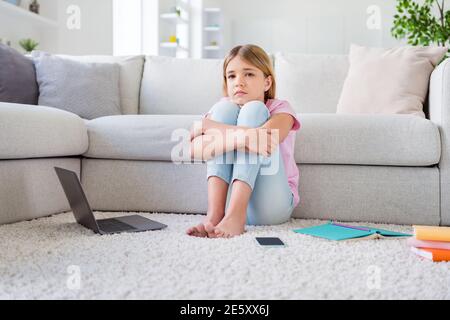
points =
(439, 107)
(29, 131)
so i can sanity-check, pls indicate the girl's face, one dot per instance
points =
(245, 82)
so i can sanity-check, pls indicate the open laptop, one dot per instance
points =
(84, 215)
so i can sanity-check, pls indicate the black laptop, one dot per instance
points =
(84, 215)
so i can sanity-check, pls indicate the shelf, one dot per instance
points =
(215, 10)
(173, 17)
(172, 45)
(212, 29)
(19, 11)
(212, 48)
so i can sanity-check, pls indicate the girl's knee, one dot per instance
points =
(225, 112)
(253, 114)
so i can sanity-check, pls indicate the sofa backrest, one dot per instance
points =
(180, 86)
(311, 83)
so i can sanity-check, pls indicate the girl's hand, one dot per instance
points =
(262, 141)
(199, 128)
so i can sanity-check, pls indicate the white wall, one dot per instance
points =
(15, 26)
(310, 26)
(96, 33)
(307, 26)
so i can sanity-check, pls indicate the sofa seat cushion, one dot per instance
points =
(354, 139)
(388, 140)
(136, 137)
(29, 131)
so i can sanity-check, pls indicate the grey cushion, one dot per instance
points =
(17, 77)
(388, 140)
(90, 90)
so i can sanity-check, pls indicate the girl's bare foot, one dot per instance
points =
(206, 229)
(197, 231)
(231, 226)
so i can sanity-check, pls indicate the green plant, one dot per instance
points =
(28, 44)
(420, 25)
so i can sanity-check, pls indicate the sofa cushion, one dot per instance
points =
(94, 94)
(131, 68)
(390, 140)
(40, 132)
(180, 86)
(17, 77)
(311, 83)
(389, 81)
(142, 137)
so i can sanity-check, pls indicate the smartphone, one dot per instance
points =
(270, 242)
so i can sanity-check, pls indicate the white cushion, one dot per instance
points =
(131, 68)
(139, 137)
(180, 86)
(28, 131)
(389, 140)
(362, 139)
(311, 83)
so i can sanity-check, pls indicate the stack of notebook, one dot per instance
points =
(432, 243)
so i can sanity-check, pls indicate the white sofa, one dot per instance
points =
(372, 168)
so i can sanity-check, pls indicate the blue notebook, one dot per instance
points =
(339, 232)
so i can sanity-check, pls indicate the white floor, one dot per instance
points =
(54, 258)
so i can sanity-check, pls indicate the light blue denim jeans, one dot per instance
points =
(272, 201)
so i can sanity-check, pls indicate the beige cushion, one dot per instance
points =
(388, 81)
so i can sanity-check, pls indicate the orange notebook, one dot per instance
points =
(432, 233)
(436, 255)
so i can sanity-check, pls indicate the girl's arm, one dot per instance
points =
(283, 122)
(207, 147)
(214, 139)
(218, 138)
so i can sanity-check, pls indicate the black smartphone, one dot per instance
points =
(270, 242)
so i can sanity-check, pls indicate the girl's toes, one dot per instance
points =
(219, 233)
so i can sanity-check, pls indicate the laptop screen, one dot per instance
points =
(77, 198)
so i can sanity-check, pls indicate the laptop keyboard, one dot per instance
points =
(112, 225)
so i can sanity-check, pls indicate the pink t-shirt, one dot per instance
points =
(276, 106)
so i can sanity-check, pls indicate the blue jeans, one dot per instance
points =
(272, 201)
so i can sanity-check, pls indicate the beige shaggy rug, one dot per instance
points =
(54, 258)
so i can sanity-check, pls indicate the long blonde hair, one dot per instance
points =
(257, 57)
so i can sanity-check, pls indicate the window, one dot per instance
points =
(135, 27)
